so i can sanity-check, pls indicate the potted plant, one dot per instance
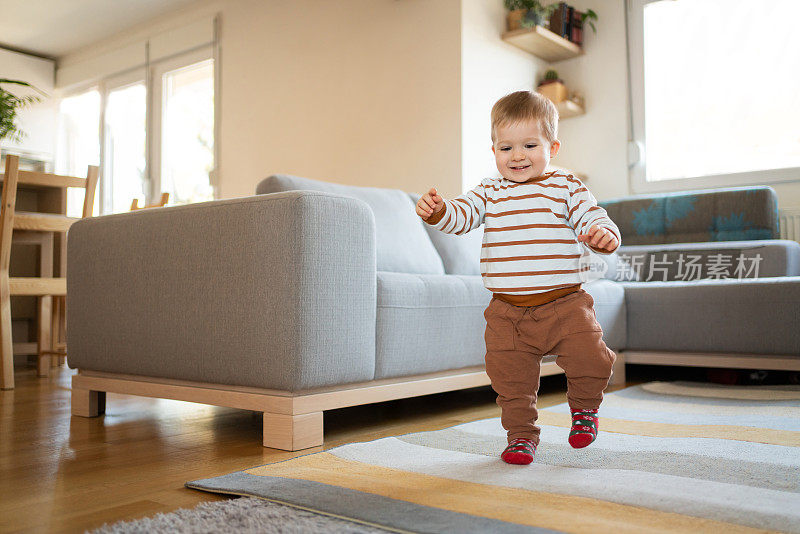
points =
(553, 87)
(590, 16)
(579, 20)
(9, 105)
(527, 13)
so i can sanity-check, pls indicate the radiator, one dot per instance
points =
(789, 219)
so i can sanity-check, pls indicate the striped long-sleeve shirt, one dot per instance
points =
(530, 253)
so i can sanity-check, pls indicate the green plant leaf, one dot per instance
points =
(10, 104)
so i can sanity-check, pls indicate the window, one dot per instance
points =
(187, 142)
(78, 144)
(715, 92)
(124, 165)
(155, 141)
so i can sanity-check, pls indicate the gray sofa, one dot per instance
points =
(713, 315)
(311, 296)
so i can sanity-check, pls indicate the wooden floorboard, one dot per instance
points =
(65, 474)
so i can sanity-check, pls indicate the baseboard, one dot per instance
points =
(777, 362)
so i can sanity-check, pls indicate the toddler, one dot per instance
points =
(536, 224)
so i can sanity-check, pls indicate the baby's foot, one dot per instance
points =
(584, 428)
(519, 451)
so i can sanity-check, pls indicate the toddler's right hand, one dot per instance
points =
(429, 204)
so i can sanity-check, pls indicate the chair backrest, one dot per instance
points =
(14, 177)
(160, 204)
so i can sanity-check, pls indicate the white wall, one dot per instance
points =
(39, 120)
(595, 144)
(490, 69)
(362, 92)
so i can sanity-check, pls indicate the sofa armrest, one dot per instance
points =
(715, 259)
(273, 291)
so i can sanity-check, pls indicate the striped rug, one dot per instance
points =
(670, 457)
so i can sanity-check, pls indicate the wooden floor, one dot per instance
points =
(67, 474)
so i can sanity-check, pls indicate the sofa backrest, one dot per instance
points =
(402, 243)
(725, 214)
(461, 254)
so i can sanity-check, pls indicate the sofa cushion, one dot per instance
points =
(402, 243)
(723, 214)
(607, 266)
(619, 267)
(461, 254)
(428, 323)
(742, 316)
(763, 258)
(609, 307)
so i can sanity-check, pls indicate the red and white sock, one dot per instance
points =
(584, 428)
(519, 451)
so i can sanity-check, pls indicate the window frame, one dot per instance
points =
(637, 146)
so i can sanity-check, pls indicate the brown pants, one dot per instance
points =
(517, 337)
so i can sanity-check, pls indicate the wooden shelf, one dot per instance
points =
(543, 43)
(568, 108)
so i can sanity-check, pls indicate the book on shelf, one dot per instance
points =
(570, 16)
(576, 35)
(558, 20)
(567, 22)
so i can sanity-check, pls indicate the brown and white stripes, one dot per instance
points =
(530, 236)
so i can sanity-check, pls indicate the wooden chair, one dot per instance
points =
(59, 324)
(59, 327)
(43, 287)
(58, 331)
(163, 202)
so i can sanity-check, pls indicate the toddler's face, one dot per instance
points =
(521, 151)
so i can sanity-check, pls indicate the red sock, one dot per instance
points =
(584, 428)
(519, 451)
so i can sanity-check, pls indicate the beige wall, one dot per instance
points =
(788, 194)
(362, 92)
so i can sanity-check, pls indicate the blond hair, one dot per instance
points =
(523, 106)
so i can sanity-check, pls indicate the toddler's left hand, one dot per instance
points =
(600, 238)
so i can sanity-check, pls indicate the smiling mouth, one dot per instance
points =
(521, 168)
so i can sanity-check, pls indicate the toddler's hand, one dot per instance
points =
(429, 204)
(601, 238)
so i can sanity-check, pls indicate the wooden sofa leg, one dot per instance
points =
(87, 403)
(292, 432)
(618, 371)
